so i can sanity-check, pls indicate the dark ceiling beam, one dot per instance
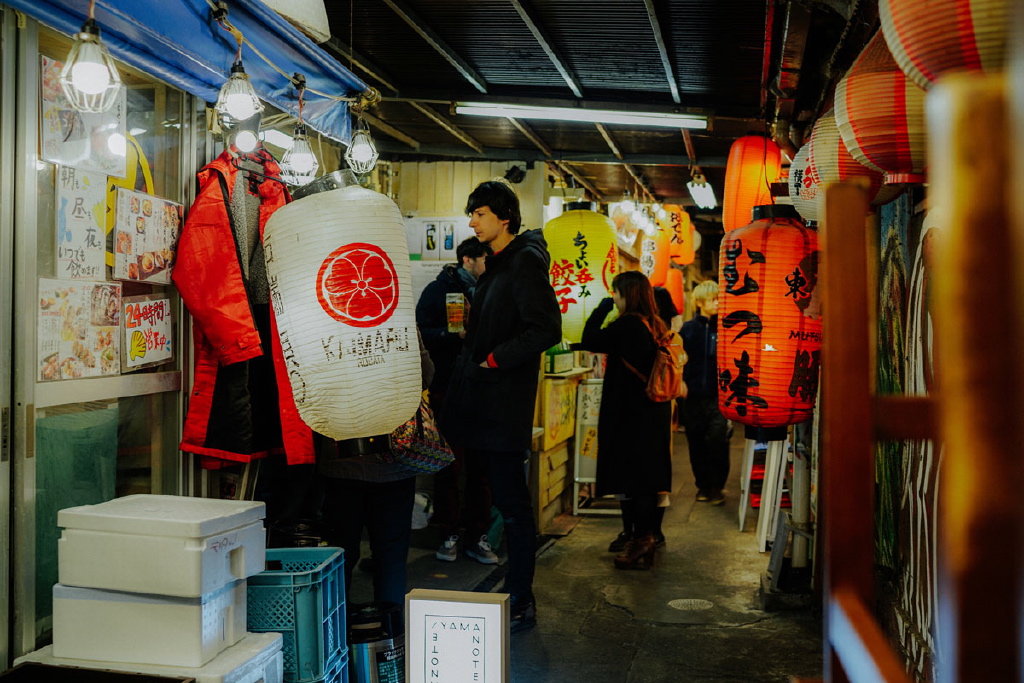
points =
(546, 44)
(563, 170)
(456, 152)
(435, 41)
(347, 54)
(688, 142)
(385, 127)
(633, 172)
(659, 38)
(448, 126)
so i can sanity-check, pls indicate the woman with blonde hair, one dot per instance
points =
(633, 432)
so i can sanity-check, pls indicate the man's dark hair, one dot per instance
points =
(501, 199)
(473, 248)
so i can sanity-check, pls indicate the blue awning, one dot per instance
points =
(178, 42)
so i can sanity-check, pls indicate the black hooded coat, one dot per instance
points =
(514, 318)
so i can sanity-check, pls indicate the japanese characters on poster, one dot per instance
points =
(147, 332)
(87, 141)
(81, 211)
(146, 230)
(77, 334)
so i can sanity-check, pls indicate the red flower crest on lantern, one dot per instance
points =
(357, 285)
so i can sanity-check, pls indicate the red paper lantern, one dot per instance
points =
(880, 114)
(655, 248)
(769, 320)
(674, 285)
(928, 38)
(754, 163)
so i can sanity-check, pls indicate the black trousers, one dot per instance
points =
(707, 435)
(511, 494)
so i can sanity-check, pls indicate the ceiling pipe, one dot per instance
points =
(781, 136)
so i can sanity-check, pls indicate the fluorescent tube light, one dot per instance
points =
(626, 118)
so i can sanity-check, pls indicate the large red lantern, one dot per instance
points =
(655, 247)
(880, 114)
(769, 320)
(754, 163)
(930, 37)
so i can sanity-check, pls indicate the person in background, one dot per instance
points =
(444, 347)
(362, 492)
(634, 438)
(707, 431)
(489, 409)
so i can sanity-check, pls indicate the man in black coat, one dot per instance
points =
(444, 347)
(515, 317)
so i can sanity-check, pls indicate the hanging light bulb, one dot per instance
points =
(626, 205)
(246, 141)
(237, 98)
(702, 193)
(299, 164)
(89, 79)
(361, 154)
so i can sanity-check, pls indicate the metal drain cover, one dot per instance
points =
(691, 604)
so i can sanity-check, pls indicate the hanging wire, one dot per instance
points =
(220, 15)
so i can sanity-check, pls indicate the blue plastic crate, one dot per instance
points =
(301, 595)
(337, 670)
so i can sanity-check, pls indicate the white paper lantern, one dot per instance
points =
(340, 283)
(804, 184)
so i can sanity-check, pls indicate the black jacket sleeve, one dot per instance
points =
(537, 307)
(432, 319)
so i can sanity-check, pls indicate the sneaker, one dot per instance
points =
(716, 498)
(703, 496)
(523, 615)
(449, 550)
(481, 552)
(619, 544)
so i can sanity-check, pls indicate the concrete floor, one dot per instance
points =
(694, 618)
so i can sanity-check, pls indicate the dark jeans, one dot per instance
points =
(476, 513)
(385, 510)
(707, 434)
(507, 474)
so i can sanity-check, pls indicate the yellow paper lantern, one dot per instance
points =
(584, 259)
(342, 296)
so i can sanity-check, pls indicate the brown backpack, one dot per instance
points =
(666, 379)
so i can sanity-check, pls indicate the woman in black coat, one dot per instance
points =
(633, 432)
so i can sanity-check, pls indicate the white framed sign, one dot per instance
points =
(456, 636)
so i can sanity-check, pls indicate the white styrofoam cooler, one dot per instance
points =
(256, 658)
(164, 545)
(90, 623)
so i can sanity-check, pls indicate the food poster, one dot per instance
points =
(78, 329)
(81, 210)
(147, 332)
(146, 230)
(90, 142)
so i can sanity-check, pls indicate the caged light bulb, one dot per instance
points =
(361, 155)
(299, 164)
(246, 141)
(89, 79)
(237, 98)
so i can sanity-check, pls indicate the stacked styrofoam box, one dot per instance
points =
(155, 580)
(256, 658)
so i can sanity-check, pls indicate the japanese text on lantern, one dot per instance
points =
(567, 274)
(738, 388)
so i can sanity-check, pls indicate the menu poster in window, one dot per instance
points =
(87, 141)
(78, 335)
(148, 335)
(146, 230)
(81, 211)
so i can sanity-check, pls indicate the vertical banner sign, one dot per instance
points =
(588, 408)
(769, 323)
(78, 329)
(584, 260)
(81, 210)
(148, 336)
(89, 142)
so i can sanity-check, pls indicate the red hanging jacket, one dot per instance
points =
(241, 406)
